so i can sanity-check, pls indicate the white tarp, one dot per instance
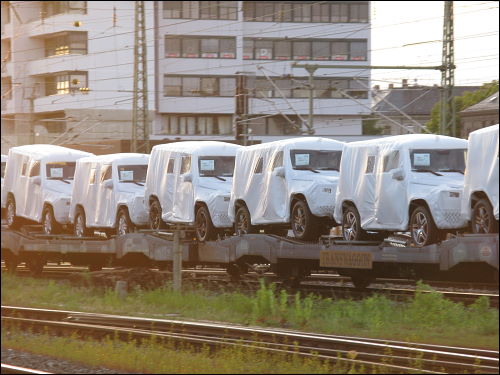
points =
(127, 171)
(309, 168)
(55, 166)
(481, 174)
(208, 164)
(4, 164)
(380, 177)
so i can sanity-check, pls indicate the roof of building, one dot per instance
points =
(488, 104)
(415, 100)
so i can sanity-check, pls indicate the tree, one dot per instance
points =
(466, 100)
(370, 127)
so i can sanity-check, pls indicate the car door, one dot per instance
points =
(276, 196)
(391, 202)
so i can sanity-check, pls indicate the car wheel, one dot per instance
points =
(304, 224)
(483, 220)
(351, 225)
(243, 223)
(49, 223)
(423, 229)
(12, 219)
(123, 223)
(155, 220)
(205, 230)
(80, 227)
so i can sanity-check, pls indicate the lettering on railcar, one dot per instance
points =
(345, 259)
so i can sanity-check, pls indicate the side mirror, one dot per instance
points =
(37, 180)
(188, 177)
(108, 184)
(280, 172)
(398, 175)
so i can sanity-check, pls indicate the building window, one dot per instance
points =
(196, 47)
(65, 83)
(315, 49)
(52, 8)
(325, 11)
(196, 125)
(205, 10)
(66, 44)
(199, 86)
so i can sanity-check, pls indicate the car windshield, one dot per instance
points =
(210, 166)
(136, 173)
(60, 170)
(326, 160)
(3, 168)
(438, 160)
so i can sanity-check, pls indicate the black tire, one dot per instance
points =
(80, 227)
(351, 225)
(205, 230)
(483, 220)
(155, 220)
(124, 224)
(10, 213)
(305, 225)
(422, 227)
(243, 223)
(49, 223)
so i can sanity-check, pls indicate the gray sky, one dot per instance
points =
(411, 32)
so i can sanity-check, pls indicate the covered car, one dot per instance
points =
(108, 194)
(190, 183)
(287, 183)
(392, 184)
(38, 184)
(480, 199)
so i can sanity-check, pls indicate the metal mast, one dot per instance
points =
(447, 123)
(140, 122)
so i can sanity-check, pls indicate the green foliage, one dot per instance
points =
(370, 127)
(460, 103)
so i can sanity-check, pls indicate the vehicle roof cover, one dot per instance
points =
(481, 173)
(366, 189)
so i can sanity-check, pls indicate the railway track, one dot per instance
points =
(330, 286)
(379, 355)
(10, 369)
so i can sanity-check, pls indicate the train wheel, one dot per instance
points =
(123, 223)
(304, 225)
(35, 265)
(361, 280)
(80, 228)
(155, 220)
(483, 220)
(205, 230)
(12, 219)
(49, 223)
(351, 225)
(423, 229)
(243, 222)
(11, 262)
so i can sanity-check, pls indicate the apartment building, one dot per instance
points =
(208, 52)
(67, 71)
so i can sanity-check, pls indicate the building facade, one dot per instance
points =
(211, 52)
(480, 115)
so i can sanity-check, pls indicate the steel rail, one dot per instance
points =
(10, 369)
(432, 358)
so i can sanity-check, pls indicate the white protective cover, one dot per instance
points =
(383, 201)
(481, 174)
(178, 197)
(30, 198)
(268, 196)
(100, 203)
(4, 164)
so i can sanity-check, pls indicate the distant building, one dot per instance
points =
(480, 115)
(414, 101)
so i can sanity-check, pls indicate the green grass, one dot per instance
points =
(427, 318)
(151, 357)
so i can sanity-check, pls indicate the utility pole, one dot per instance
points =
(447, 123)
(241, 108)
(310, 125)
(140, 121)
